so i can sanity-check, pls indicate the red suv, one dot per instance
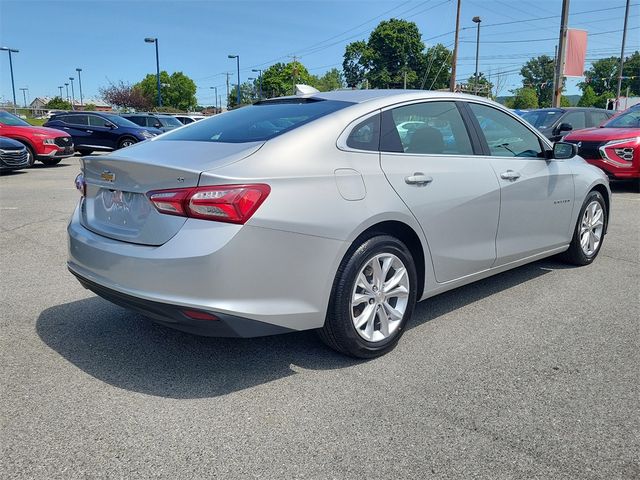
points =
(614, 146)
(45, 144)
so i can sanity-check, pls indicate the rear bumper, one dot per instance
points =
(257, 274)
(173, 315)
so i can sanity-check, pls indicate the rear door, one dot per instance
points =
(99, 131)
(537, 194)
(452, 192)
(77, 125)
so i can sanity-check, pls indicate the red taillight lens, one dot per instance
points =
(222, 203)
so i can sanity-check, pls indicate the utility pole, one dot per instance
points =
(294, 73)
(454, 60)
(13, 86)
(555, 62)
(477, 20)
(624, 38)
(227, 102)
(24, 95)
(558, 82)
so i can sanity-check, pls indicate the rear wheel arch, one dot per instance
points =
(406, 235)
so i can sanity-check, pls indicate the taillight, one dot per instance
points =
(222, 203)
(81, 185)
(620, 152)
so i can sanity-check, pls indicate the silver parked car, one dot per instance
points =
(314, 212)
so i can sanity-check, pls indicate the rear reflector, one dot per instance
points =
(222, 203)
(197, 315)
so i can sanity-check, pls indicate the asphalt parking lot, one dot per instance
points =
(530, 374)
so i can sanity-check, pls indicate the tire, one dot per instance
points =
(589, 224)
(84, 152)
(369, 339)
(126, 142)
(32, 156)
(50, 162)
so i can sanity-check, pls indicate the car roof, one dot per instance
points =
(362, 96)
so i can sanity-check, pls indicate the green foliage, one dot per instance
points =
(248, 94)
(482, 86)
(588, 98)
(394, 54)
(525, 98)
(177, 90)
(57, 103)
(601, 101)
(632, 69)
(279, 79)
(564, 101)
(331, 80)
(538, 73)
(602, 76)
(89, 107)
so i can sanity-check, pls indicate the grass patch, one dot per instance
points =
(38, 122)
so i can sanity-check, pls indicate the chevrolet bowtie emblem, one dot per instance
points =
(108, 176)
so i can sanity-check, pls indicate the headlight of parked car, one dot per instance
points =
(49, 141)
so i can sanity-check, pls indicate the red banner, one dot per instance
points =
(576, 53)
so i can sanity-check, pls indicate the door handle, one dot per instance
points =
(89, 131)
(418, 178)
(510, 175)
(66, 128)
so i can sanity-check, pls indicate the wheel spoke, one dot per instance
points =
(395, 280)
(591, 242)
(584, 239)
(386, 265)
(364, 283)
(368, 330)
(367, 314)
(384, 322)
(378, 278)
(360, 298)
(392, 312)
(399, 291)
(597, 217)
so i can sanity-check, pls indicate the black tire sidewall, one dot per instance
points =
(124, 139)
(343, 288)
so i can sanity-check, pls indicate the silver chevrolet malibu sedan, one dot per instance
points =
(326, 211)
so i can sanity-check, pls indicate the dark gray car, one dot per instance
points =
(13, 155)
(554, 123)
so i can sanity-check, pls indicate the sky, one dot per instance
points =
(106, 37)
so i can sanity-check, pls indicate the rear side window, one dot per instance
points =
(366, 135)
(137, 120)
(76, 119)
(434, 128)
(96, 121)
(257, 123)
(598, 118)
(577, 119)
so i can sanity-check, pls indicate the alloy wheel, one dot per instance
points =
(591, 228)
(380, 297)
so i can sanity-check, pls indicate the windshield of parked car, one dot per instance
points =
(542, 118)
(629, 119)
(12, 121)
(170, 122)
(121, 122)
(257, 123)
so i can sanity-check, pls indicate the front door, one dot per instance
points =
(537, 194)
(453, 193)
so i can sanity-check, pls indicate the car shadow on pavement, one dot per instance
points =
(125, 350)
(623, 186)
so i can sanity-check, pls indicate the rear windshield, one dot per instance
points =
(258, 122)
(629, 119)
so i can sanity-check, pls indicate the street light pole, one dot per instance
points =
(237, 57)
(24, 95)
(155, 40)
(13, 86)
(215, 101)
(259, 81)
(60, 87)
(67, 87)
(73, 95)
(477, 20)
(80, 85)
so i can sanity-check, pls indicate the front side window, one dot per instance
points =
(598, 118)
(96, 121)
(257, 123)
(139, 121)
(576, 119)
(542, 119)
(505, 136)
(366, 135)
(426, 128)
(11, 120)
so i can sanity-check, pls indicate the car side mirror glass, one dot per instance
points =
(564, 150)
(565, 127)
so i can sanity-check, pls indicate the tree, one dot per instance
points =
(481, 86)
(436, 71)
(57, 103)
(602, 75)
(394, 56)
(538, 73)
(355, 63)
(248, 94)
(564, 101)
(588, 98)
(602, 101)
(177, 90)
(331, 80)
(126, 96)
(525, 98)
(89, 107)
(279, 79)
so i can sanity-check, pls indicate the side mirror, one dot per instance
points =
(157, 125)
(565, 127)
(564, 150)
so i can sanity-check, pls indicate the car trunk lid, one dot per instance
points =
(116, 204)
